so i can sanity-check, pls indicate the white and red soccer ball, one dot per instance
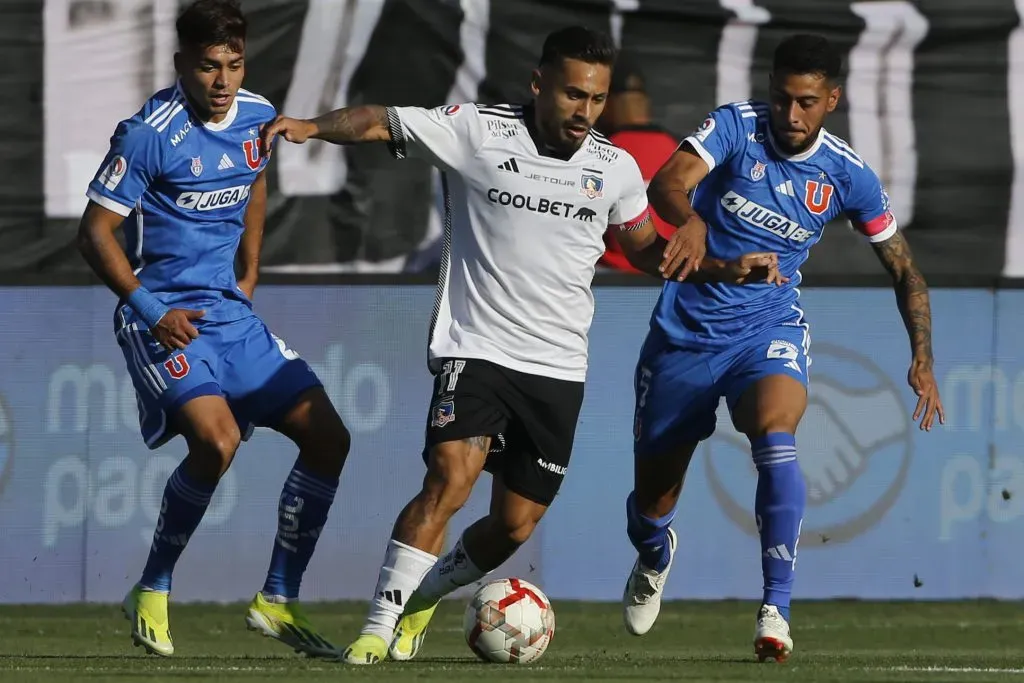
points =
(509, 621)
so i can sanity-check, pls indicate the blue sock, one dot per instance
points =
(182, 508)
(301, 513)
(648, 535)
(779, 506)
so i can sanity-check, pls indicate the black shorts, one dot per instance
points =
(531, 420)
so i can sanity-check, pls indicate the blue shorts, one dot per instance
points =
(241, 360)
(678, 389)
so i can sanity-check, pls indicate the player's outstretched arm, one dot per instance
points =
(668, 194)
(350, 125)
(252, 239)
(915, 308)
(100, 249)
(646, 251)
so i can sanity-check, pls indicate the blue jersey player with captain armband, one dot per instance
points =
(186, 178)
(763, 177)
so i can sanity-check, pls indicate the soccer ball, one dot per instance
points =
(509, 621)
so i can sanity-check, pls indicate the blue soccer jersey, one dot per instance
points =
(757, 198)
(183, 186)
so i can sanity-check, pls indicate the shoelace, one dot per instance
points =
(644, 585)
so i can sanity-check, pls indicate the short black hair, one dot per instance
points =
(578, 42)
(212, 22)
(807, 53)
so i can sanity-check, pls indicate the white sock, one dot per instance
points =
(400, 575)
(452, 571)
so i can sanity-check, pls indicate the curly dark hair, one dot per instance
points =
(807, 53)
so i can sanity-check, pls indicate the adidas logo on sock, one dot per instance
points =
(510, 166)
(392, 596)
(225, 163)
(779, 552)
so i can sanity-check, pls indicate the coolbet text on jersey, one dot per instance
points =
(183, 186)
(709, 340)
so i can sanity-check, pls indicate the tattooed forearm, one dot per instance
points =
(911, 293)
(367, 123)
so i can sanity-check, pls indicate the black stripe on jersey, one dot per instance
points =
(504, 111)
(593, 170)
(511, 117)
(446, 258)
(598, 138)
(397, 144)
(505, 107)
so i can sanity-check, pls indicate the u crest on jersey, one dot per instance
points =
(818, 196)
(757, 172)
(252, 153)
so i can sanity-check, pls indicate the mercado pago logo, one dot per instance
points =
(855, 446)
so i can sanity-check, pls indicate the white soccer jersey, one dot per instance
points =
(522, 234)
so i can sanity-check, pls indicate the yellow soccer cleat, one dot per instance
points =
(147, 612)
(368, 649)
(286, 622)
(411, 629)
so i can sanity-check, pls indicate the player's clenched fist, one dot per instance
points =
(175, 329)
(292, 130)
(757, 266)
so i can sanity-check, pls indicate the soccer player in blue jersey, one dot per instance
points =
(188, 173)
(766, 177)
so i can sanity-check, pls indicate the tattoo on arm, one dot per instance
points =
(478, 443)
(352, 124)
(911, 293)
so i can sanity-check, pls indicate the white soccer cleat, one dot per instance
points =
(641, 601)
(771, 637)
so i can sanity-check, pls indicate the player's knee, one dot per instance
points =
(328, 447)
(212, 448)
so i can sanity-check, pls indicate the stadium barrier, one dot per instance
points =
(892, 512)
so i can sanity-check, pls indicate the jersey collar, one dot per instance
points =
(802, 156)
(209, 125)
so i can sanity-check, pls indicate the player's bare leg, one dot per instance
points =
(317, 429)
(212, 434)
(483, 547)
(657, 483)
(768, 413)
(418, 536)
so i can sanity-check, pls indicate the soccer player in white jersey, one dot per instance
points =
(766, 176)
(529, 192)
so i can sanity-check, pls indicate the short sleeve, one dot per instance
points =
(443, 136)
(867, 207)
(630, 210)
(718, 138)
(129, 168)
